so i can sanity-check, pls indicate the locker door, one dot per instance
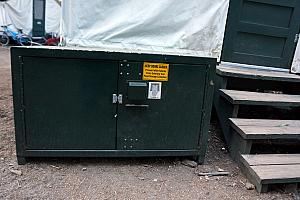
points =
(68, 103)
(156, 115)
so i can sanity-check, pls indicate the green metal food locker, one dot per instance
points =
(91, 103)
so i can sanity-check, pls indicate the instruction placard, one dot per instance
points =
(154, 90)
(155, 71)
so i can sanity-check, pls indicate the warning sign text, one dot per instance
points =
(155, 71)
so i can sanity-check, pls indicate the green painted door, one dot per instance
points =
(68, 103)
(169, 123)
(261, 32)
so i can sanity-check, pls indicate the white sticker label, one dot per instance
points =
(154, 90)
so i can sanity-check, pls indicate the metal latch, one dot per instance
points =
(120, 98)
(114, 98)
(297, 37)
(117, 98)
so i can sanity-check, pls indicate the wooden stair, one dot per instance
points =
(237, 89)
(266, 128)
(266, 169)
(261, 74)
(245, 132)
(236, 97)
(231, 100)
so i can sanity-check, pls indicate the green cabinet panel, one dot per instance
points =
(91, 103)
(68, 103)
(261, 32)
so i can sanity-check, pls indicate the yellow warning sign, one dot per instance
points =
(155, 71)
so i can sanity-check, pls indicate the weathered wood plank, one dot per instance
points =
(250, 174)
(250, 132)
(238, 145)
(269, 174)
(272, 159)
(266, 122)
(224, 109)
(263, 174)
(243, 72)
(255, 98)
(266, 129)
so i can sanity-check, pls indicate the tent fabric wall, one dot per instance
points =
(19, 14)
(2, 14)
(189, 27)
(53, 14)
(296, 61)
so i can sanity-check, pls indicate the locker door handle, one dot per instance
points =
(137, 105)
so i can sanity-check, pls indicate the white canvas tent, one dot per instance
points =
(296, 61)
(189, 27)
(19, 14)
(182, 27)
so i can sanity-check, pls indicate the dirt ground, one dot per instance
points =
(113, 178)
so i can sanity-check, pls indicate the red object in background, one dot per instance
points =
(52, 41)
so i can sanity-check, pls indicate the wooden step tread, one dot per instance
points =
(270, 174)
(286, 170)
(256, 98)
(272, 159)
(252, 73)
(266, 128)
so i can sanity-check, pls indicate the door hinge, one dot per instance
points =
(20, 60)
(120, 98)
(114, 98)
(297, 37)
